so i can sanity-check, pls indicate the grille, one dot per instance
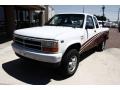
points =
(28, 42)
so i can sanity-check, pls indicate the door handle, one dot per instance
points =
(94, 30)
(82, 37)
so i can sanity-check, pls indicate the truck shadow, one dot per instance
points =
(33, 72)
(4, 39)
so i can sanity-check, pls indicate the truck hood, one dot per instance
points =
(47, 32)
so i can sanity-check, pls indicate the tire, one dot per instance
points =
(69, 63)
(101, 46)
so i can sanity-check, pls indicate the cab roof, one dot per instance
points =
(76, 13)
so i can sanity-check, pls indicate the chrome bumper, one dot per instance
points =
(36, 55)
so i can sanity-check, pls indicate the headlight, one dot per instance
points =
(49, 46)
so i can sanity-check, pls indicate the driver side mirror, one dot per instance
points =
(89, 26)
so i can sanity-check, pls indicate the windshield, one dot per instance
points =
(70, 20)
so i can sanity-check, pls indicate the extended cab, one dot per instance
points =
(61, 40)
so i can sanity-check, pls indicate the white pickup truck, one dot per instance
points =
(61, 40)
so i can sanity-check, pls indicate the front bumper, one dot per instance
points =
(36, 55)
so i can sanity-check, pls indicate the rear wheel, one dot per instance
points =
(69, 63)
(101, 46)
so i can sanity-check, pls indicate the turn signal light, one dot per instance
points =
(50, 49)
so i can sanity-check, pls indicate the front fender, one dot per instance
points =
(69, 43)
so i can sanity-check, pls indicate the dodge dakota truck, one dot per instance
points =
(61, 40)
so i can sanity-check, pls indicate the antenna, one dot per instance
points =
(83, 9)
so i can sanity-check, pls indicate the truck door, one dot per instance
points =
(100, 36)
(96, 25)
(90, 27)
(91, 32)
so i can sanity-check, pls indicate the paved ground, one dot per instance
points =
(114, 39)
(95, 67)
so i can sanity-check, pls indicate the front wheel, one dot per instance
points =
(69, 63)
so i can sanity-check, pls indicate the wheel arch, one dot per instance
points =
(76, 46)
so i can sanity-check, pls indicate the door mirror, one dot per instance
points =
(89, 22)
(89, 27)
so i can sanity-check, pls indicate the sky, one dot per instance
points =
(111, 11)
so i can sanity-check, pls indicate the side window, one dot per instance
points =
(96, 23)
(89, 23)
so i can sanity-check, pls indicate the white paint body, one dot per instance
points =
(69, 35)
